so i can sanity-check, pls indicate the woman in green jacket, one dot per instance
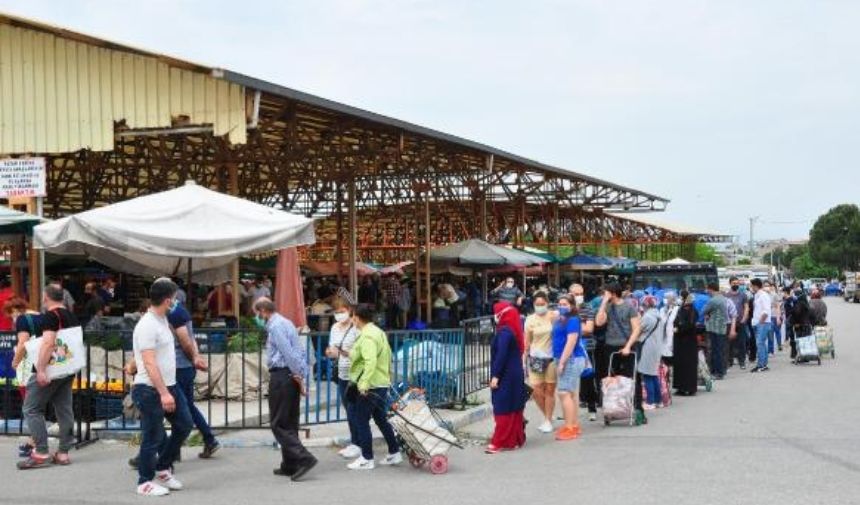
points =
(370, 373)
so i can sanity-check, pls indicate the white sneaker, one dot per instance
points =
(350, 452)
(592, 416)
(152, 489)
(546, 427)
(392, 459)
(167, 480)
(361, 464)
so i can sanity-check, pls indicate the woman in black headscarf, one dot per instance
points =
(685, 357)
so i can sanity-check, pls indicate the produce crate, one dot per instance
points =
(211, 343)
(11, 401)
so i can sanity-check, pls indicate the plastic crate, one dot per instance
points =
(6, 370)
(211, 343)
(107, 406)
(11, 401)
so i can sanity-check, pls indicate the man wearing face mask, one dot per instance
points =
(509, 292)
(288, 368)
(623, 327)
(188, 361)
(738, 346)
(157, 396)
(762, 307)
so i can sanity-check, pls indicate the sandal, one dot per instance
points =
(34, 461)
(61, 459)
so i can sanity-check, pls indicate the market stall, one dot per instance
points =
(189, 230)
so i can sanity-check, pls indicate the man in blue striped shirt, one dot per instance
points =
(287, 363)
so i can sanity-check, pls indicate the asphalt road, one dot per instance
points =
(787, 436)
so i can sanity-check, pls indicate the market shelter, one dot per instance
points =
(188, 230)
(115, 122)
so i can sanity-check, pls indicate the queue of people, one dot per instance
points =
(569, 350)
(555, 357)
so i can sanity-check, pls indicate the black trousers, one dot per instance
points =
(622, 365)
(751, 344)
(588, 388)
(284, 400)
(791, 337)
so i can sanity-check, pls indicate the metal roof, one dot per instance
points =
(678, 229)
(323, 103)
(301, 96)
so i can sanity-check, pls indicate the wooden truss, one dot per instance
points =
(304, 159)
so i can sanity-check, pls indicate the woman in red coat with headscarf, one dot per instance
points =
(508, 380)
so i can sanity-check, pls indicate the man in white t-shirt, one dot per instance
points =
(762, 313)
(156, 395)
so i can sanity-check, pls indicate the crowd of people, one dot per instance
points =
(565, 354)
(559, 354)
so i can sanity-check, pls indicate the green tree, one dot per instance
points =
(835, 238)
(707, 254)
(804, 267)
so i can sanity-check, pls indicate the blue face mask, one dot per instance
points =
(261, 323)
(174, 305)
(563, 310)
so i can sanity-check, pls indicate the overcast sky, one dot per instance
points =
(730, 108)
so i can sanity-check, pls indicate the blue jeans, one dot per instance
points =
(349, 407)
(373, 406)
(185, 383)
(652, 388)
(718, 359)
(776, 331)
(155, 453)
(762, 334)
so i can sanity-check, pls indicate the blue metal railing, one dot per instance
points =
(232, 393)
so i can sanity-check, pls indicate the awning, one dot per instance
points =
(476, 253)
(158, 234)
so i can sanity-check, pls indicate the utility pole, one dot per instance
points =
(753, 221)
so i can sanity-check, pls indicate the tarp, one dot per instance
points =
(479, 254)
(396, 269)
(16, 222)
(329, 268)
(550, 258)
(158, 234)
(587, 262)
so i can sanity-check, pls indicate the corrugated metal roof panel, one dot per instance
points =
(62, 95)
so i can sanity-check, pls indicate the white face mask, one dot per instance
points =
(341, 316)
(541, 309)
(579, 299)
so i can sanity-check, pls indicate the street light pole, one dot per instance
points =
(752, 237)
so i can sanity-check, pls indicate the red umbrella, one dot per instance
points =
(289, 296)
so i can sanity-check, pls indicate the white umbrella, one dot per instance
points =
(165, 233)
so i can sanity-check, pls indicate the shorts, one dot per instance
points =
(547, 377)
(568, 381)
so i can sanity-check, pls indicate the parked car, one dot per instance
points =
(833, 289)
